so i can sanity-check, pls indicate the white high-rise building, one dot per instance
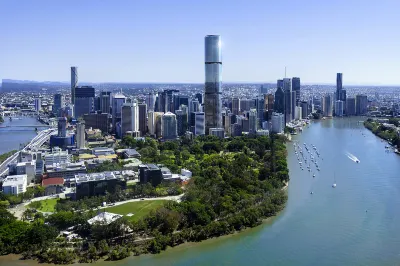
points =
(253, 121)
(278, 123)
(80, 136)
(14, 185)
(169, 126)
(130, 117)
(339, 108)
(298, 113)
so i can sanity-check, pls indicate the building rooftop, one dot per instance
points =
(132, 153)
(14, 180)
(81, 178)
(104, 218)
(53, 181)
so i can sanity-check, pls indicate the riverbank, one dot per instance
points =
(387, 132)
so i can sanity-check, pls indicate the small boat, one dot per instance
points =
(311, 192)
(313, 175)
(334, 180)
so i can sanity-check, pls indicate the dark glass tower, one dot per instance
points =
(296, 88)
(213, 90)
(339, 85)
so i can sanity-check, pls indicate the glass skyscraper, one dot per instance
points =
(213, 90)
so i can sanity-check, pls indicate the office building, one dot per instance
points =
(74, 82)
(279, 103)
(262, 132)
(38, 104)
(180, 100)
(150, 173)
(14, 185)
(218, 132)
(197, 126)
(327, 107)
(80, 135)
(96, 184)
(304, 109)
(287, 89)
(263, 89)
(236, 130)
(129, 117)
(105, 102)
(351, 106)
(293, 105)
(151, 101)
(98, 120)
(338, 108)
(261, 111)
(182, 122)
(194, 106)
(297, 113)
(339, 85)
(59, 104)
(269, 106)
(253, 121)
(142, 118)
(296, 88)
(62, 126)
(361, 104)
(84, 100)
(57, 156)
(116, 106)
(199, 97)
(213, 88)
(235, 106)
(169, 126)
(247, 104)
(278, 123)
(66, 171)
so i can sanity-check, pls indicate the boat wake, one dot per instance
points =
(352, 157)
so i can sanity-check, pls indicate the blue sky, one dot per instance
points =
(163, 41)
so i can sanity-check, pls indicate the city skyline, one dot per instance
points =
(143, 44)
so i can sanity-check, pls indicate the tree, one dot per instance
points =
(6, 217)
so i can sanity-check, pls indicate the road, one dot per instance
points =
(35, 143)
(175, 198)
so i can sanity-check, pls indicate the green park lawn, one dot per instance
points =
(47, 205)
(139, 209)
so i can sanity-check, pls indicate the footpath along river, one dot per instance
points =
(356, 223)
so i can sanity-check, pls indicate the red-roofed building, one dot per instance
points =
(53, 185)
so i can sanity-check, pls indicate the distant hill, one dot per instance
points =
(23, 85)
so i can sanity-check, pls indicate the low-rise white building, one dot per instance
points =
(15, 184)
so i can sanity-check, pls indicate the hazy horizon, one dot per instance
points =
(135, 41)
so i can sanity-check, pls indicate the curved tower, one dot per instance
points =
(212, 89)
(74, 82)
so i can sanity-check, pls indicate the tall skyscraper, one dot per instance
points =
(58, 103)
(169, 126)
(213, 90)
(181, 120)
(296, 88)
(80, 135)
(84, 100)
(129, 117)
(339, 85)
(74, 82)
(105, 101)
(199, 97)
(151, 101)
(117, 101)
(350, 106)
(338, 108)
(253, 121)
(38, 104)
(327, 107)
(260, 106)
(279, 104)
(361, 104)
(287, 88)
(304, 109)
(62, 127)
(269, 101)
(294, 104)
(143, 119)
(197, 126)
(235, 106)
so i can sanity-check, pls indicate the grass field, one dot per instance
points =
(45, 205)
(138, 208)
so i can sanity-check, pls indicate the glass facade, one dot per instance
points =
(213, 79)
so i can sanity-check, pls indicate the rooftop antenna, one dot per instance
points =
(285, 71)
